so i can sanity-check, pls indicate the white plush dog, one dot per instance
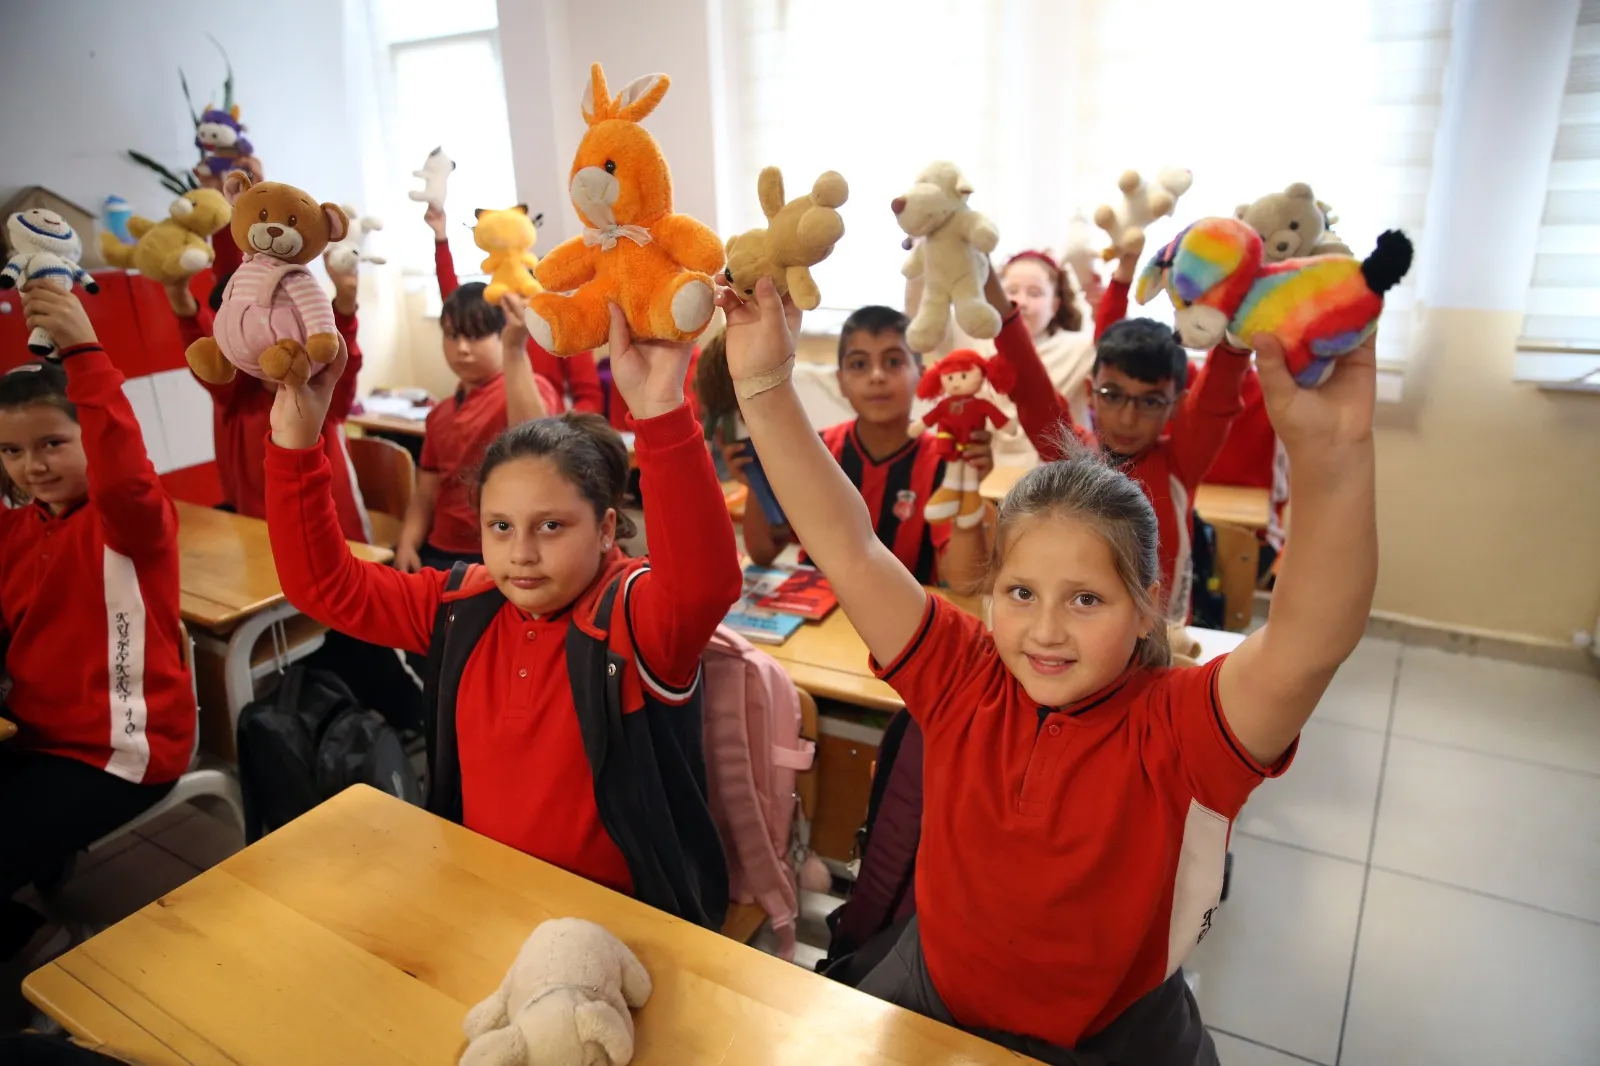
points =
(1142, 203)
(564, 1002)
(435, 174)
(344, 255)
(952, 258)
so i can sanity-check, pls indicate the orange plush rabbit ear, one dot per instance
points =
(637, 99)
(597, 106)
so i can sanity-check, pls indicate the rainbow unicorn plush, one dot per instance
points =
(1320, 308)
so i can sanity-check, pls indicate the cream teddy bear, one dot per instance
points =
(952, 257)
(1293, 224)
(564, 1002)
(1142, 203)
(799, 235)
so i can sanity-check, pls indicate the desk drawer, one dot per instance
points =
(846, 755)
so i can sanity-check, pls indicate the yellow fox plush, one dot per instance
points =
(508, 236)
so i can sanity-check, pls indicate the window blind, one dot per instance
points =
(1560, 342)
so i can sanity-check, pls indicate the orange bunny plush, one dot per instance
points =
(634, 251)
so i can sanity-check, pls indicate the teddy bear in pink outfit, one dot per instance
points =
(275, 323)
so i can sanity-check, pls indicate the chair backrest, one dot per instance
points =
(385, 473)
(186, 657)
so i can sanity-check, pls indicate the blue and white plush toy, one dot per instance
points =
(43, 246)
(117, 213)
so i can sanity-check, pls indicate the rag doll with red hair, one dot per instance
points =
(960, 413)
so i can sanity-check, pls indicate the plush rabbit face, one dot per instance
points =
(619, 176)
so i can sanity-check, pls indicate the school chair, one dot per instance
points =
(215, 789)
(386, 474)
(1236, 561)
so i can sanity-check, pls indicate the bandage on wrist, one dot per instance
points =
(756, 384)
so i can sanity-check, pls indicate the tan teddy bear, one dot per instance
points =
(1143, 201)
(799, 235)
(175, 248)
(1293, 224)
(952, 257)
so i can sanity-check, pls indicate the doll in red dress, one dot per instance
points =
(955, 418)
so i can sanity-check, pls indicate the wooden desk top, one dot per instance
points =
(404, 427)
(363, 931)
(225, 566)
(1234, 504)
(829, 659)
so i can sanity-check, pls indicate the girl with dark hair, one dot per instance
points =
(513, 644)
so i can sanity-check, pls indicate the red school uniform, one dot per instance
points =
(1247, 453)
(241, 419)
(458, 432)
(1070, 858)
(575, 375)
(896, 488)
(524, 774)
(89, 599)
(1169, 471)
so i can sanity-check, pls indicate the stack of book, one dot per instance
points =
(778, 602)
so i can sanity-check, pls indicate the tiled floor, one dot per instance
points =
(1421, 889)
(1423, 886)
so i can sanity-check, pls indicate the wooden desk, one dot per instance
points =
(1233, 504)
(389, 424)
(228, 587)
(829, 660)
(363, 931)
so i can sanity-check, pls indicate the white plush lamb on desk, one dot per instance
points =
(564, 1002)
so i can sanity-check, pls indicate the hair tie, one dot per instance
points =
(1043, 257)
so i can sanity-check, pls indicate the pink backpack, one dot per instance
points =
(753, 750)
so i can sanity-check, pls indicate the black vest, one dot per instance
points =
(648, 766)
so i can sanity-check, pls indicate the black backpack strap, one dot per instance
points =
(457, 627)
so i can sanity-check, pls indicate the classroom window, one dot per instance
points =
(1044, 102)
(446, 91)
(1560, 342)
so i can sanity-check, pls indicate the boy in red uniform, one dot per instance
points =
(1079, 791)
(95, 680)
(575, 377)
(895, 474)
(1162, 436)
(441, 526)
(557, 604)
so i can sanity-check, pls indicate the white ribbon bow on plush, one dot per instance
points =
(607, 238)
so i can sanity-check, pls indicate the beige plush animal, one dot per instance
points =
(952, 257)
(1142, 203)
(176, 247)
(564, 1002)
(799, 235)
(1293, 224)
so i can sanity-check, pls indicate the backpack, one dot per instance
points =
(309, 740)
(867, 925)
(751, 723)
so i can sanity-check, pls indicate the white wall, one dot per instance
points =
(85, 80)
(546, 49)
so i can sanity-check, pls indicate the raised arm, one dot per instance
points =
(319, 575)
(136, 514)
(690, 242)
(881, 598)
(1041, 411)
(694, 574)
(345, 284)
(1200, 428)
(444, 265)
(1271, 684)
(194, 322)
(583, 382)
(1114, 298)
(524, 399)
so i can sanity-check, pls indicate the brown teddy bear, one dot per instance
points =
(799, 235)
(275, 322)
(1293, 224)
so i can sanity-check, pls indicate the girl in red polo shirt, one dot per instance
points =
(548, 506)
(1079, 790)
(94, 676)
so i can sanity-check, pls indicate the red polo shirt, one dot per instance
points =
(1070, 858)
(896, 489)
(459, 430)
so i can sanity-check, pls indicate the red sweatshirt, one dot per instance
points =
(241, 417)
(1169, 471)
(525, 779)
(574, 376)
(89, 602)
